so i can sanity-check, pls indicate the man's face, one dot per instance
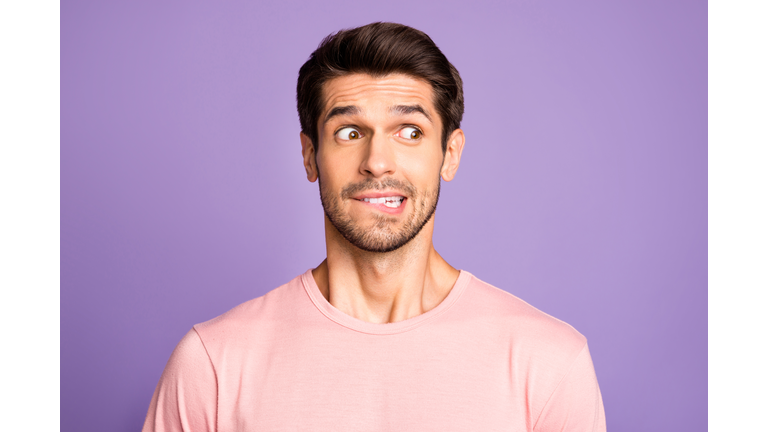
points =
(379, 159)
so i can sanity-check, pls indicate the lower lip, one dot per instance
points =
(384, 209)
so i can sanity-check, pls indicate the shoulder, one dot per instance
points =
(529, 330)
(548, 358)
(254, 318)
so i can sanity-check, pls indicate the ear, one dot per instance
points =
(452, 155)
(308, 153)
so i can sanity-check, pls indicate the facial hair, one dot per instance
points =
(382, 236)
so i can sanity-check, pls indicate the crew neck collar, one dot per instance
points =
(353, 323)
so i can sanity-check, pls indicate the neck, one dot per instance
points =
(384, 287)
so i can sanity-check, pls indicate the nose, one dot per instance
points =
(379, 158)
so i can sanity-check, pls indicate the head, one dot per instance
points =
(380, 108)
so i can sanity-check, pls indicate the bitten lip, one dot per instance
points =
(378, 194)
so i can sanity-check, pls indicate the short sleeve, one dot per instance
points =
(576, 404)
(186, 396)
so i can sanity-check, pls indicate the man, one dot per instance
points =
(384, 335)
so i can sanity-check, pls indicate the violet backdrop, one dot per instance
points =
(582, 188)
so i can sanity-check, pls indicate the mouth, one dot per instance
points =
(389, 201)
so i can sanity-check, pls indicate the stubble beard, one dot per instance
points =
(382, 236)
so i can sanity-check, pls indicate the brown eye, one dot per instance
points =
(348, 134)
(410, 133)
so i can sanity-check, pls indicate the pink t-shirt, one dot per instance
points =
(482, 360)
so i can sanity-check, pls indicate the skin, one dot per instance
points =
(372, 144)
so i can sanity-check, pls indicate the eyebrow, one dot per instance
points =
(342, 111)
(397, 109)
(410, 109)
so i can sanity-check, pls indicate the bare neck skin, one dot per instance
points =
(384, 287)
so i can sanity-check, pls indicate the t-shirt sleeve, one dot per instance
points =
(576, 404)
(186, 396)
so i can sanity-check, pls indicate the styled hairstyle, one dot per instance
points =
(379, 49)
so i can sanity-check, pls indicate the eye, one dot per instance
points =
(348, 134)
(409, 133)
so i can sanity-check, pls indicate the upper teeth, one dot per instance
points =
(394, 201)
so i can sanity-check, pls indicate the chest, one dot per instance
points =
(374, 384)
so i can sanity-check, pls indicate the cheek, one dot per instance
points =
(340, 161)
(324, 161)
(335, 169)
(421, 170)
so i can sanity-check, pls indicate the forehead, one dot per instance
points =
(371, 92)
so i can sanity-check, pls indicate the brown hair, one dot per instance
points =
(379, 49)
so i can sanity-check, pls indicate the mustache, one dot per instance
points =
(370, 184)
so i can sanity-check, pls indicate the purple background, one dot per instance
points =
(582, 189)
